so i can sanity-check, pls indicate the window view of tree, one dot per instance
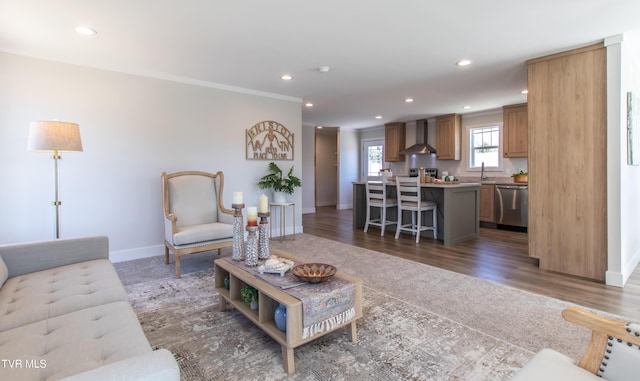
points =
(484, 147)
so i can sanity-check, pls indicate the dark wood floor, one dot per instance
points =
(497, 255)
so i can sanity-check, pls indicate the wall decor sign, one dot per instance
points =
(269, 140)
(633, 137)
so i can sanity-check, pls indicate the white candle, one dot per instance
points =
(252, 216)
(237, 197)
(263, 204)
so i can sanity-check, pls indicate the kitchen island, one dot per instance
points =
(458, 209)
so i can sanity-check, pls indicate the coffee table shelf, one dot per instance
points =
(269, 297)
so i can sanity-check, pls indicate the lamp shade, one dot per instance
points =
(54, 136)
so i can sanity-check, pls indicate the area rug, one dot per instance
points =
(420, 322)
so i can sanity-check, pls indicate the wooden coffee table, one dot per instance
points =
(269, 298)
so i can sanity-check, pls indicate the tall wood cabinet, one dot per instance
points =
(516, 129)
(567, 161)
(394, 141)
(448, 133)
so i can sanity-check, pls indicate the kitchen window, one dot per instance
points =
(484, 147)
(373, 153)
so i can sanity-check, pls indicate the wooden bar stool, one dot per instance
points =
(377, 198)
(409, 198)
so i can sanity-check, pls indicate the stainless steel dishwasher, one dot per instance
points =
(511, 205)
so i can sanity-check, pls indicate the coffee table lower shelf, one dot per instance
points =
(269, 297)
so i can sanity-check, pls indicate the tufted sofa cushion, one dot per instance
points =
(45, 294)
(72, 343)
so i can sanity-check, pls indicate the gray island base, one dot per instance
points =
(458, 209)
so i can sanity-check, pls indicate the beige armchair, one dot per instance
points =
(612, 354)
(195, 220)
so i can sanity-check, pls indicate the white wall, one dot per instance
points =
(623, 181)
(308, 169)
(348, 149)
(133, 128)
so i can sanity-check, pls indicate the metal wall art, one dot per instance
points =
(269, 140)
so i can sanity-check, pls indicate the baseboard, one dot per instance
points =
(138, 253)
(617, 279)
(308, 210)
(325, 203)
(345, 206)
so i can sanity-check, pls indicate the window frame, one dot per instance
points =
(499, 167)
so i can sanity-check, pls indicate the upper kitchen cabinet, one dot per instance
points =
(568, 127)
(448, 132)
(394, 141)
(516, 130)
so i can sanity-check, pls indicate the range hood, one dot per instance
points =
(421, 147)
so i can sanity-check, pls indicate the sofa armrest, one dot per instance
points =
(159, 365)
(26, 258)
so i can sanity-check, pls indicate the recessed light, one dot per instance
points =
(408, 100)
(85, 30)
(463, 62)
(378, 116)
(324, 69)
(466, 107)
(319, 127)
(286, 77)
(309, 104)
(525, 91)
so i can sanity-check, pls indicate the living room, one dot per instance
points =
(136, 123)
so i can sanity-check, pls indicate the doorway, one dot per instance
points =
(372, 157)
(326, 166)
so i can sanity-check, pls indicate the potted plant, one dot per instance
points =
(520, 177)
(278, 182)
(249, 295)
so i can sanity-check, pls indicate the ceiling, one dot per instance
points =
(379, 52)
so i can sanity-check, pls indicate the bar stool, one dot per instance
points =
(409, 198)
(376, 187)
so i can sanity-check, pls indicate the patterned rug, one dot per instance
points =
(420, 322)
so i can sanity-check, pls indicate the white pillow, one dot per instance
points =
(4, 272)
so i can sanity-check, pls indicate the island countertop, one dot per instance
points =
(458, 208)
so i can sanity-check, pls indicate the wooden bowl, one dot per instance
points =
(314, 272)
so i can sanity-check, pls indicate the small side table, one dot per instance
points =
(282, 208)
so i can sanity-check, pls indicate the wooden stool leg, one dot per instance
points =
(287, 360)
(166, 255)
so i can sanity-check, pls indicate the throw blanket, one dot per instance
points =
(325, 305)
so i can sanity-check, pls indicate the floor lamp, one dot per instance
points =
(54, 136)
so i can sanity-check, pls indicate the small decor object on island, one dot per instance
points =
(280, 317)
(278, 182)
(249, 295)
(314, 272)
(520, 177)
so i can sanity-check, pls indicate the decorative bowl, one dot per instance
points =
(314, 272)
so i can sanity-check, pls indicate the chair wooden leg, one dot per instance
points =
(177, 265)
(219, 251)
(435, 223)
(399, 225)
(383, 221)
(419, 213)
(166, 255)
(366, 223)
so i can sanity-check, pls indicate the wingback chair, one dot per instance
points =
(195, 220)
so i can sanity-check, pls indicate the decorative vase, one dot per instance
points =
(226, 282)
(254, 305)
(279, 197)
(280, 317)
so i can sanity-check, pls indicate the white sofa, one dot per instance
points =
(64, 314)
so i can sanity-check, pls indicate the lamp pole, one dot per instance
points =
(56, 202)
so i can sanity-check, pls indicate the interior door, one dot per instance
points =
(372, 157)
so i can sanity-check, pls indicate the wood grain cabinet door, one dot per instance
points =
(516, 130)
(448, 137)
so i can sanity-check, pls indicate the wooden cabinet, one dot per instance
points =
(568, 127)
(516, 130)
(487, 209)
(394, 141)
(448, 132)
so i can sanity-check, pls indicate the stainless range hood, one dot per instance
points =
(421, 147)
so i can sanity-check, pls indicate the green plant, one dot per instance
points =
(276, 181)
(248, 294)
(521, 173)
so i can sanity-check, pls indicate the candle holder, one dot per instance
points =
(263, 240)
(251, 259)
(238, 235)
